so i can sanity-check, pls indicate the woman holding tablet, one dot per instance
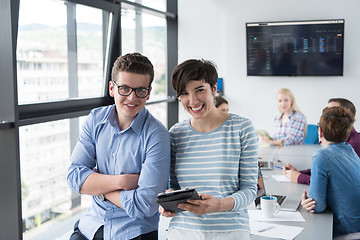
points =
(335, 173)
(214, 152)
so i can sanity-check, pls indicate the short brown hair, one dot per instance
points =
(219, 100)
(193, 70)
(344, 103)
(133, 63)
(336, 123)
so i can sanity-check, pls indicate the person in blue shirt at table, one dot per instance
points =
(214, 152)
(122, 159)
(335, 173)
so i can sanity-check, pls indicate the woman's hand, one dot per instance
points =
(208, 204)
(165, 213)
(307, 203)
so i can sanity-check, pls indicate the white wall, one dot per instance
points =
(215, 30)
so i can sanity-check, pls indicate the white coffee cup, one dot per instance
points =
(269, 206)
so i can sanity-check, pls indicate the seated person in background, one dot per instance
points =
(303, 176)
(335, 173)
(222, 104)
(290, 124)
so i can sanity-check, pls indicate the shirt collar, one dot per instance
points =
(136, 125)
(291, 114)
(111, 118)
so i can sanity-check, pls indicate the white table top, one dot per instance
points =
(316, 225)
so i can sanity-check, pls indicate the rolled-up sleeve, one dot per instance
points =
(83, 159)
(153, 179)
(304, 177)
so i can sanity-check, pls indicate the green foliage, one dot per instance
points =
(24, 190)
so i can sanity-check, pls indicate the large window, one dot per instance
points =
(61, 69)
(55, 62)
(42, 56)
(90, 51)
(47, 201)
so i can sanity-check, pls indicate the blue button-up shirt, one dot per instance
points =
(143, 148)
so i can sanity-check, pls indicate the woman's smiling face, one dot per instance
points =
(198, 98)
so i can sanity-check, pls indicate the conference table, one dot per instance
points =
(316, 225)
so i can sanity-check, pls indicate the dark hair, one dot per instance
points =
(193, 70)
(344, 103)
(336, 123)
(218, 100)
(133, 63)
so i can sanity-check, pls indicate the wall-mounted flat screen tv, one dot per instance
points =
(295, 48)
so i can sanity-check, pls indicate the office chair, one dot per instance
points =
(312, 136)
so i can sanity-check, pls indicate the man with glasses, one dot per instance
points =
(122, 159)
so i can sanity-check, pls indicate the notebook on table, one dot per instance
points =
(287, 203)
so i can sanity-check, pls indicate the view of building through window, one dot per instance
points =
(42, 54)
(90, 54)
(46, 198)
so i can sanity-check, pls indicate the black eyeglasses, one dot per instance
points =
(126, 91)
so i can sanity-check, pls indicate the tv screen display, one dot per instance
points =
(296, 48)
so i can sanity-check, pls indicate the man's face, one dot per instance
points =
(129, 106)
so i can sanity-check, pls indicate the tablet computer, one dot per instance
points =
(170, 200)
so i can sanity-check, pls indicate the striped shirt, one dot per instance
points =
(291, 132)
(222, 163)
